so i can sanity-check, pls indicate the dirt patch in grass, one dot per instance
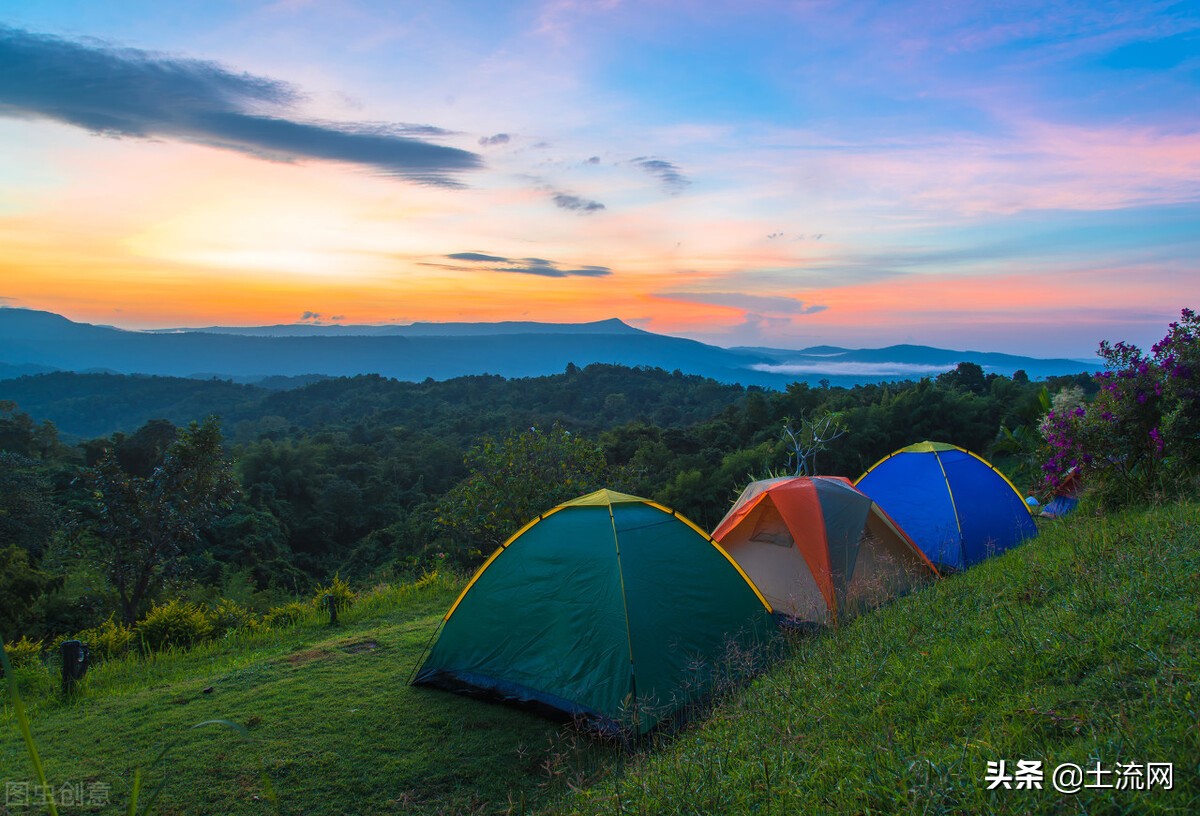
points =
(360, 646)
(308, 656)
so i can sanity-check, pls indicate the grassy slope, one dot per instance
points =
(337, 728)
(1083, 645)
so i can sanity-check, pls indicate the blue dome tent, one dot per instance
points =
(953, 504)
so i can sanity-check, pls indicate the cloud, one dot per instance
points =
(584, 206)
(130, 93)
(770, 304)
(847, 268)
(310, 316)
(476, 256)
(593, 160)
(492, 141)
(1026, 164)
(673, 181)
(526, 266)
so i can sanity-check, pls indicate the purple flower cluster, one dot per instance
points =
(1063, 431)
(1157, 439)
(1147, 408)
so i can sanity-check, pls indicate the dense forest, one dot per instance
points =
(257, 495)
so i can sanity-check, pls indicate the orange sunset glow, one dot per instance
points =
(1012, 217)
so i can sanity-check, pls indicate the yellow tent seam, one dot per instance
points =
(625, 608)
(720, 549)
(479, 572)
(877, 464)
(999, 473)
(950, 493)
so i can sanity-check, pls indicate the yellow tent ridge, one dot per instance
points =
(928, 447)
(603, 497)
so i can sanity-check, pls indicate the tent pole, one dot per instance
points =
(417, 666)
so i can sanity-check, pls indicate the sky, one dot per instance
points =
(999, 176)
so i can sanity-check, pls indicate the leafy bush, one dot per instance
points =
(176, 623)
(230, 616)
(343, 596)
(287, 615)
(108, 640)
(1140, 436)
(24, 651)
(427, 579)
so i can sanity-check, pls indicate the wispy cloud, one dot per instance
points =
(492, 141)
(476, 256)
(672, 178)
(566, 201)
(129, 93)
(768, 304)
(526, 266)
(1030, 164)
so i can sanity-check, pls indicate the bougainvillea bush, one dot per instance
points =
(1140, 437)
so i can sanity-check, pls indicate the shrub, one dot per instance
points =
(230, 616)
(108, 640)
(24, 651)
(1140, 436)
(176, 623)
(343, 596)
(426, 579)
(287, 615)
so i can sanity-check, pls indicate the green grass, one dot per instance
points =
(1081, 646)
(328, 709)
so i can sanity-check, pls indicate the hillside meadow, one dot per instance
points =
(1081, 646)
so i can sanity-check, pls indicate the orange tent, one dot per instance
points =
(818, 549)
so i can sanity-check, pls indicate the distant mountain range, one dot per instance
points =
(35, 342)
(610, 326)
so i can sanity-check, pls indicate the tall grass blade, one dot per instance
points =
(152, 798)
(158, 789)
(23, 725)
(133, 794)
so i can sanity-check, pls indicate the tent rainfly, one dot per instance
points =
(1066, 496)
(953, 503)
(818, 549)
(609, 608)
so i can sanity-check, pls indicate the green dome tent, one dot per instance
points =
(610, 608)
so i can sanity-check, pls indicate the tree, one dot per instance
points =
(28, 515)
(812, 437)
(19, 434)
(966, 376)
(140, 453)
(518, 476)
(21, 583)
(144, 523)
